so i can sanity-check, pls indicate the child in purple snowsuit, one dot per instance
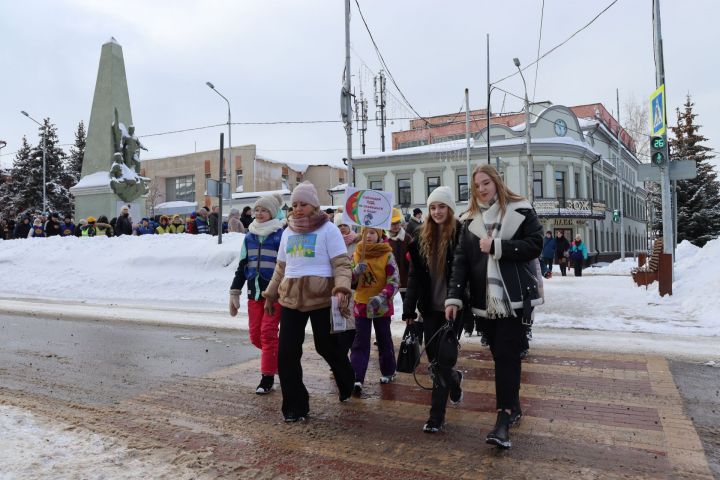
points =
(376, 275)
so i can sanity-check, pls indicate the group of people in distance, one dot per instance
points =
(204, 220)
(482, 264)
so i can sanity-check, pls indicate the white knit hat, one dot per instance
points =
(443, 195)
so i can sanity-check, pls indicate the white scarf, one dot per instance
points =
(498, 304)
(399, 237)
(265, 228)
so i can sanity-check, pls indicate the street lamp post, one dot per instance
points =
(44, 150)
(231, 163)
(530, 172)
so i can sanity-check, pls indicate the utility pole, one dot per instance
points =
(665, 167)
(530, 172)
(380, 104)
(487, 135)
(345, 107)
(361, 110)
(467, 137)
(620, 181)
(221, 189)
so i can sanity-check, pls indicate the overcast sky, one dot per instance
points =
(282, 60)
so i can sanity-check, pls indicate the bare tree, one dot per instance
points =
(153, 198)
(636, 123)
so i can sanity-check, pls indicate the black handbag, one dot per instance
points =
(409, 354)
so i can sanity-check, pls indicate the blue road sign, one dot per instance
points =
(657, 111)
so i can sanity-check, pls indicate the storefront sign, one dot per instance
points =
(573, 208)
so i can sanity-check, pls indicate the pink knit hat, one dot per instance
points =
(305, 193)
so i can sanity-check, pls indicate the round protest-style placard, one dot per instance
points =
(368, 208)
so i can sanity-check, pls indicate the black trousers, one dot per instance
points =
(506, 338)
(446, 378)
(292, 336)
(562, 261)
(578, 266)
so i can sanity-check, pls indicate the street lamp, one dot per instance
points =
(530, 173)
(44, 149)
(230, 162)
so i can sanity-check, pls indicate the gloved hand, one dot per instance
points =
(360, 268)
(269, 307)
(234, 302)
(374, 303)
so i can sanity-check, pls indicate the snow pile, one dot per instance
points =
(162, 269)
(36, 448)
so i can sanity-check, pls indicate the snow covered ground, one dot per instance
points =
(34, 447)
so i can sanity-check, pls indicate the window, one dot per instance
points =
(432, 183)
(180, 189)
(462, 188)
(537, 184)
(376, 185)
(560, 185)
(577, 185)
(239, 178)
(404, 188)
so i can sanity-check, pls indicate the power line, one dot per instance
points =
(558, 45)
(542, 16)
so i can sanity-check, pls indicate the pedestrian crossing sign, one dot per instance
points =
(657, 111)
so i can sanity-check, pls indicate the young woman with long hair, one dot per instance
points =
(496, 261)
(431, 258)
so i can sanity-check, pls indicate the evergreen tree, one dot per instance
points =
(77, 151)
(698, 199)
(15, 196)
(24, 193)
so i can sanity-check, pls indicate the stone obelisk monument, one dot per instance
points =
(99, 192)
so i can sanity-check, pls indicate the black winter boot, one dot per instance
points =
(499, 435)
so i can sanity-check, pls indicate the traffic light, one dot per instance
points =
(658, 150)
(616, 215)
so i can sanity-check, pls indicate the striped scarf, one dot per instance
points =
(498, 303)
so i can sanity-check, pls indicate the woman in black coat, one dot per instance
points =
(496, 259)
(431, 257)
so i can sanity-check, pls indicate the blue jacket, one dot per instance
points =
(257, 263)
(145, 230)
(576, 251)
(548, 250)
(201, 225)
(67, 229)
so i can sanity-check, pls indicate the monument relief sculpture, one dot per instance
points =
(125, 179)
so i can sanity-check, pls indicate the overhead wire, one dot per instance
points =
(558, 45)
(537, 65)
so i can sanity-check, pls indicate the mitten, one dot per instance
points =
(360, 268)
(375, 303)
(234, 302)
(269, 307)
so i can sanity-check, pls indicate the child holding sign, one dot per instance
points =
(376, 275)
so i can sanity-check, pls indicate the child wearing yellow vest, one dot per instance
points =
(377, 278)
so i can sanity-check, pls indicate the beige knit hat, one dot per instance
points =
(305, 193)
(271, 203)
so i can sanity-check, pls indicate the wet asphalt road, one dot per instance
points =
(101, 363)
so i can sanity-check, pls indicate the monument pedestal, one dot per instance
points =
(94, 197)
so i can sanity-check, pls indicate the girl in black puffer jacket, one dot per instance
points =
(496, 261)
(431, 257)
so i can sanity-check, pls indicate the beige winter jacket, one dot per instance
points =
(311, 292)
